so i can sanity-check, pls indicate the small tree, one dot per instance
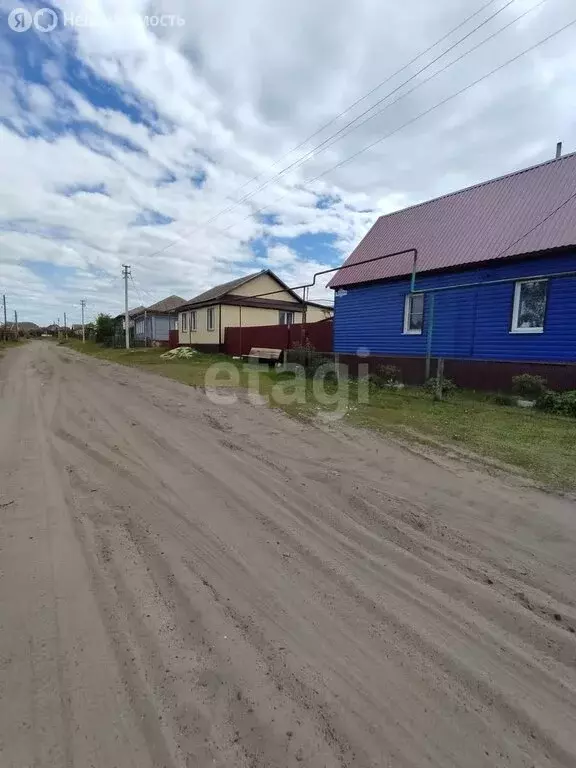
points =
(105, 327)
(526, 385)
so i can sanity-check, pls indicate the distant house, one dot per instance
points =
(25, 328)
(119, 320)
(153, 324)
(257, 299)
(505, 249)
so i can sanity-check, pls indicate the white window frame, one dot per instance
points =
(284, 314)
(184, 322)
(193, 325)
(407, 331)
(516, 308)
(210, 326)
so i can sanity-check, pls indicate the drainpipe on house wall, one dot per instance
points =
(240, 330)
(430, 337)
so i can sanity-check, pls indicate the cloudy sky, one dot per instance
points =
(160, 145)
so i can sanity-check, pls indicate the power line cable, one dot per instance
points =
(343, 132)
(536, 226)
(300, 161)
(442, 288)
(150, 296)
(373, 90)
(412, 120)
(328, 141)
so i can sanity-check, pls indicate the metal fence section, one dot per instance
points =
(315, 336)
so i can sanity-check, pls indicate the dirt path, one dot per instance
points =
(183, 584)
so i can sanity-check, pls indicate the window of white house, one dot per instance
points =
(192, 321)
(210, 319)
(286, 318)
(184, 321)
(529, 306)
(414, 313)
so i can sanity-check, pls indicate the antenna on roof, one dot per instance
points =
(558, 150)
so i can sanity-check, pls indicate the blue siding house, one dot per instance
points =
(153, 324)
(485, 278)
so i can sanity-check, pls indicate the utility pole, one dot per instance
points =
(65, 328)
(83, 305)
(5, 320)
(16, 323)
(126, 275)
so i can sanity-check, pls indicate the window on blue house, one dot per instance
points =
(414, 313)
(529, 306)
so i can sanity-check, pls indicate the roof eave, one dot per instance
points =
(457, 267)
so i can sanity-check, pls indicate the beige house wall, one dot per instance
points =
(253, 316)
(264, 284)
(315, 314)
(201, 335)
(234, 316)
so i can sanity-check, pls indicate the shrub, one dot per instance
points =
(385, 376)
(311, 361)
(105, 328)
(528, 386)
(548, 401)
(501, 399)
(448, 386)
(563, 403)
(568, 403)
(389, 374)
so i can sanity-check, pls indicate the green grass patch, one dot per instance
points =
(541, 444)
(9, 344)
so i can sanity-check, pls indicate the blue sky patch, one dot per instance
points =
(198, 179)
(90, 189)
(327, 201)
(31, 227)
(168, 177)
(319, 246)
(51, 273)
(149, 218)
(269, 219)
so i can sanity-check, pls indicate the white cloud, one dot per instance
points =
(226, 95)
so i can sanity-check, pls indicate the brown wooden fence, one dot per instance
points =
(318, 336)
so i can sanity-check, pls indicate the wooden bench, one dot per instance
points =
(263, 354)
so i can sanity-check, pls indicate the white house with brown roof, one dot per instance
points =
(257, 299)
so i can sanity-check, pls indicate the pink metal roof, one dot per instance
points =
(474, 225)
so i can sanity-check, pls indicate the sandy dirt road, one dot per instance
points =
(184, 584)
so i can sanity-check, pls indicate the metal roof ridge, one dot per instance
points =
(476, 186)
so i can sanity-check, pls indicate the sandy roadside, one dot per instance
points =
(183, 584)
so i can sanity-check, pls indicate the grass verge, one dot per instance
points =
(543, 445)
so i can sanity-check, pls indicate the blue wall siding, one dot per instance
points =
(468, 323)
(157, 329)
(161, 328)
